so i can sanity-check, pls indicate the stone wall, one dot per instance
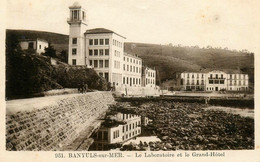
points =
(52, 123)
(138, 91)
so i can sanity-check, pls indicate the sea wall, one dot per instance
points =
(138, 91)
(54, 122)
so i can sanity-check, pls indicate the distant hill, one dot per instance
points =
(165, 58)
(171, 59)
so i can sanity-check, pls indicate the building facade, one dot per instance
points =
(214, 81)
(148, 77)
(38, 45)
(78, 26)
(132, 70)
(103, 50)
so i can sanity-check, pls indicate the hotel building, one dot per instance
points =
(214, 81)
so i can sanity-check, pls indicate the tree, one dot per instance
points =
(64, 56)
(50, 51)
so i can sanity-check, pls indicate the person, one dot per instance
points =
(79, 87)
(85, 88)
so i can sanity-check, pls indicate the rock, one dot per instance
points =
(165, 138)
(168, 146)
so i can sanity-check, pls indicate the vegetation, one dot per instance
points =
(27, 73)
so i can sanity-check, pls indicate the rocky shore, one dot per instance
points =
(188, 126)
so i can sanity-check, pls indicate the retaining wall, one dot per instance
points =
(52, 123)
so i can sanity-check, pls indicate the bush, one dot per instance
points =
(72, 76)
(27, 74)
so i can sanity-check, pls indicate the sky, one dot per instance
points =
(219, 23)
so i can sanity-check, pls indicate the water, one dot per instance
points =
(237, 111)
(119, 130)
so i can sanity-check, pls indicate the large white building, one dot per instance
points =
(214, 81)
(103, 49)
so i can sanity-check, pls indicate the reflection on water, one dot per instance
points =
(116, 130)
(242, 112)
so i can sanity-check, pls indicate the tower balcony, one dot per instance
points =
(71, 20)
(74, 21)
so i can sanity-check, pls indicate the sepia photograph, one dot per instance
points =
(128, 79)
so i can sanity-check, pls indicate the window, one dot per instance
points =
(100, 52)
(124, 67)
(123, 80)
(230, 76)
(40, 46)
(101, 74)
(106, 76)
(74, 40)
(221, 81)
(90, 62)
(216, 76)
(127, 69)
(95, 63)
(101, 63)
(91, 42)
(107, 41)
(126, 128)
(30, 45)
(83, 15)
(210, 75)
(136, 69)
(74, 62)
(221, 76)
(95, 41)
(75, 14)
(90, 52)
(106, 51)
(74, 51)
(127, 80)
(106, 63)
(101, 41)
(95, 52)
(210, 81)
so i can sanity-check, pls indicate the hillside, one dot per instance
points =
(165, 58)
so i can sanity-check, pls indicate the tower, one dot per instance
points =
(78, 26)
